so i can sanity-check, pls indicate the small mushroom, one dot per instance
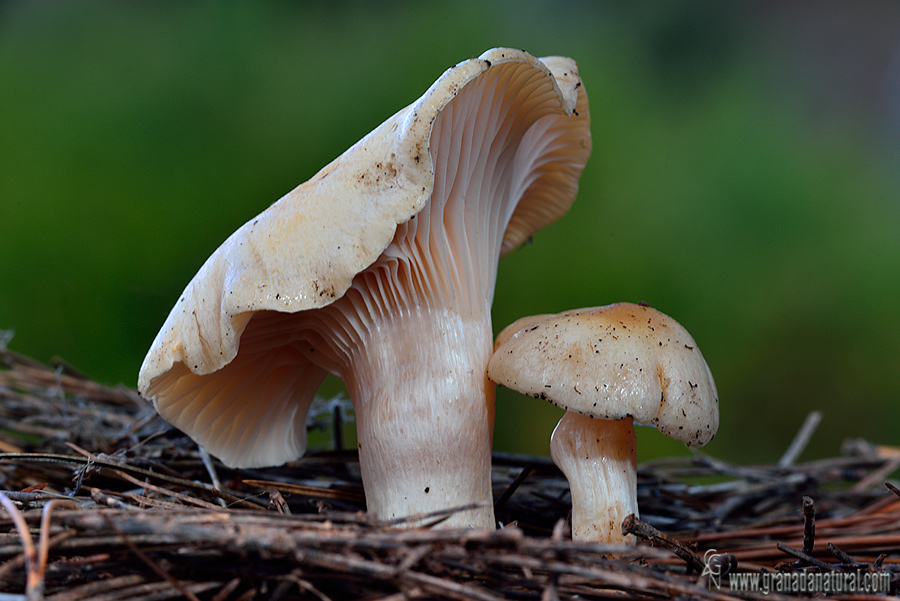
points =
(608, 367)
(381, 270)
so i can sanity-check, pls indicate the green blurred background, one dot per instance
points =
(744, 178)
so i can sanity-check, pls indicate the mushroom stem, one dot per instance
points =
(599, 459)
(425, 417)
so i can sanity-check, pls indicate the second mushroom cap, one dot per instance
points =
(621, 360)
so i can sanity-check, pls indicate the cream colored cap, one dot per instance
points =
(622, 360)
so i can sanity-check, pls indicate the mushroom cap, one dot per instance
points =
(612, 362)
(248, 407)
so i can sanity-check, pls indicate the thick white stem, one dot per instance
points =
(599, 459)
(425, 417)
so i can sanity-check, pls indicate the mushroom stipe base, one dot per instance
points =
(425, 430)
(599, 459)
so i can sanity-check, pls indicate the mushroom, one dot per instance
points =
(381, 270)
(608, 367)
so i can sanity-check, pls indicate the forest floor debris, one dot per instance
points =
(103, 501)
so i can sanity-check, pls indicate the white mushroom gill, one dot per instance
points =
(276, 390)
(412, 336)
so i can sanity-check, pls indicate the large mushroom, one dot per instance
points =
(381, 270)
(608, 367)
